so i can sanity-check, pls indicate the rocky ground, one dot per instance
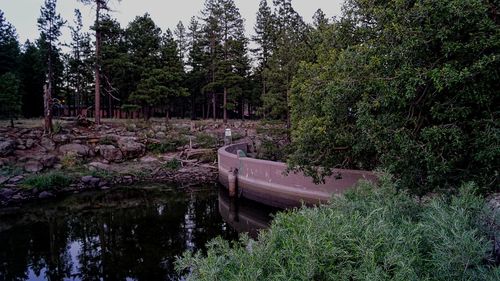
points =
(80, 156)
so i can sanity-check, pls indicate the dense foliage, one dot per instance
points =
(370, 234)
(409, 85)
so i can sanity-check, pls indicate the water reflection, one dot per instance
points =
(131, 234)
(244, 215)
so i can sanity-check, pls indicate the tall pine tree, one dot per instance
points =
(49, 24)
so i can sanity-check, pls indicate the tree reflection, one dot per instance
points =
(115, 235)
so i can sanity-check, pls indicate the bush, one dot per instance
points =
(368, 234)
(47, 181)
(205, 140)
(172, 165)
(169, 145)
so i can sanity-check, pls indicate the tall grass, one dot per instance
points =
(368, 234)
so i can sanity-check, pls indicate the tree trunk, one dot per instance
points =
(97, 62)
(213, 106)
(225, 105)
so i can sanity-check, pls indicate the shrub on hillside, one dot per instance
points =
(368, 234)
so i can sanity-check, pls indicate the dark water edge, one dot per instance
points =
(119, 234)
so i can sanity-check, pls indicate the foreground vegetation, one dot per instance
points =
(369, 234)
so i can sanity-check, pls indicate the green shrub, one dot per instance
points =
(368, 234)
(71, 161)
(56, 127)
(107, 140)
(205, 140)
(47, 181)
(168, 145)
(172, 165)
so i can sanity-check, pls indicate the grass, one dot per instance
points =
(368, 234)
(48, 181)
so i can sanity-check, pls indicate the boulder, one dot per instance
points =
(48, 144)
(7, 147)
(130, 148)
(45, 195)
(6, 193)
(111, 153)
(61, 138)
(160, 135)
(75, 148)
(48, 161)
(99, 166)
(148, 159)
(90, 180)
(33, 166)
(159, 128)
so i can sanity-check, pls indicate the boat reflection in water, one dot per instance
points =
(244, 215)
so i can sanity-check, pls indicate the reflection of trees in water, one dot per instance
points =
(113, 243)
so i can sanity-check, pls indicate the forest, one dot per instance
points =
(406, 86)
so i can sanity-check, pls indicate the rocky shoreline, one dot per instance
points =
(88, 157)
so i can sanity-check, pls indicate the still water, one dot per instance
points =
(119, 234)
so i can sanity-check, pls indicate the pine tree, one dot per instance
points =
(264, 32)
(9, 46)
(196, 62)
(10, 99)
(227, 45)
(181, 40)
(100, 6)
(32, 68)
(49, 24)
(79, 64)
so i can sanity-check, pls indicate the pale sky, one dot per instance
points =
(23, 14)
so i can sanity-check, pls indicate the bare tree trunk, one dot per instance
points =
(213, 106)
(97, 62)
(225, 105)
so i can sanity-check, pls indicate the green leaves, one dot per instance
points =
(372, 233)
(411, 83)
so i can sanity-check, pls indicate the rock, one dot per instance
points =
(90, 180)
(148, 159)
(7, 147)
(130, 148)
(21, 147)
(33, 166)
(48, 161)
(159, 128)
(3, 179)
(111, 153)
(16, 179)
(75, 148)
(100, 166)
(161, 135)
(105, 187)
(6, 193)
(48, 144)
(29, 143)
(45, 195)
(61, 138)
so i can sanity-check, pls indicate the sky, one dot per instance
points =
(23, 14)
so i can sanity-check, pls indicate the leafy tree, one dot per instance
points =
(409, 85)
(49, 24)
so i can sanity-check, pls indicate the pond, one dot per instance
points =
(119, 234)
